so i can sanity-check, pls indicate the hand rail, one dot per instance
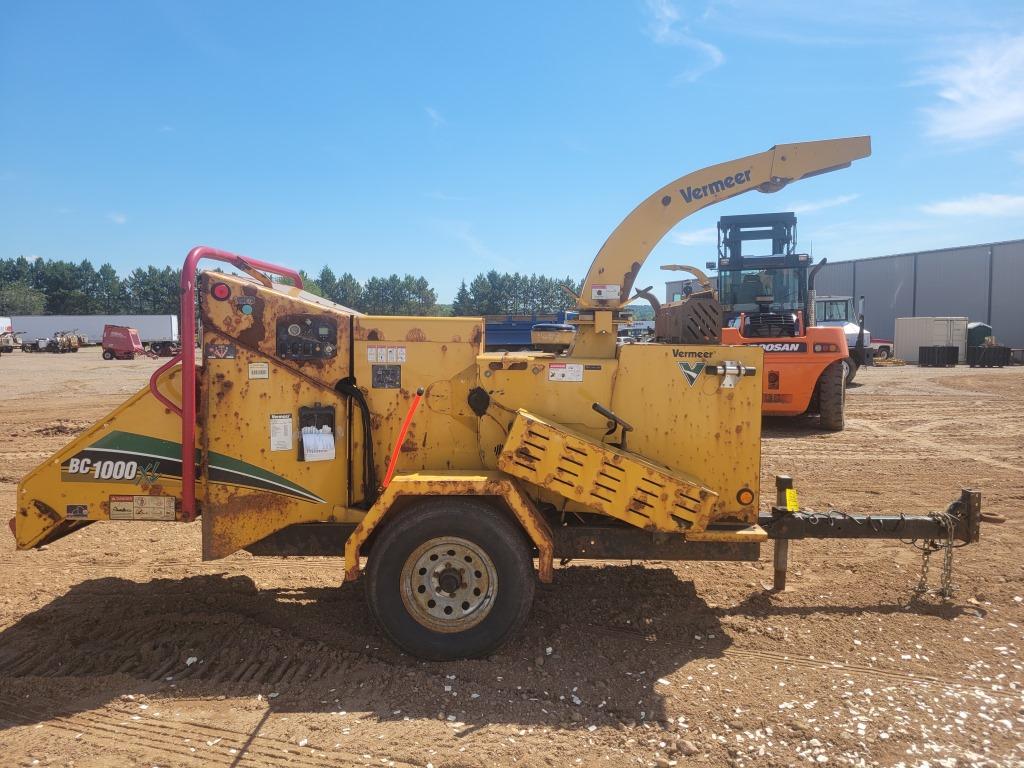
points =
(187, 358)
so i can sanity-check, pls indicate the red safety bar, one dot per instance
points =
(187, 358)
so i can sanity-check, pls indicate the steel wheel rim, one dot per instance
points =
(448, 584)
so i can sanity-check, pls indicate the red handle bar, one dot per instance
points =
(187, 358)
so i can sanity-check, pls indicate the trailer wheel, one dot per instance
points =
(108, 355)
(832, 396)
(882, 353)
(450, 578)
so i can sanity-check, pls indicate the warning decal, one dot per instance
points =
(565, 372)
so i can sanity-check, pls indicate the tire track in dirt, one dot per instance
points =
(112, 727)
(942, 448)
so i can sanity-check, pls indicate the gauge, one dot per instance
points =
(294, 329)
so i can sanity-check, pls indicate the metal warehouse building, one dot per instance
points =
(980, 282)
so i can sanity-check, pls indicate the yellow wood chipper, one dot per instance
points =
(309, 428)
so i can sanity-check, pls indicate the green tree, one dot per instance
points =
(349, 292)
(20, 298)
(463, 304)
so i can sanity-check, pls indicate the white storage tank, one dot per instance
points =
(913, 333)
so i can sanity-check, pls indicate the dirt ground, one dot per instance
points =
(118, 646)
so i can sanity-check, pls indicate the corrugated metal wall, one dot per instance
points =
(1007, 287)
(957, 281)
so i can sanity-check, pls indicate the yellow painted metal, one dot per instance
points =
(455, 483)
(703, 428)
(750, 533)
(603, 478)
(609, 281)
(64, 484)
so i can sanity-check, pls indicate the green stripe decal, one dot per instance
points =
(145, 446)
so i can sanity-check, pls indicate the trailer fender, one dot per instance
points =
(456, 483)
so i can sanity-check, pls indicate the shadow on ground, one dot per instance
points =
(595, 645)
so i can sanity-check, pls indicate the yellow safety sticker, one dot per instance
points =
(792, 504)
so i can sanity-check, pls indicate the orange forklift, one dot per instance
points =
(768, 301)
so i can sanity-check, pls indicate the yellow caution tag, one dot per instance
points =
(792, 504)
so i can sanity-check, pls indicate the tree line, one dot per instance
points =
(55, 287)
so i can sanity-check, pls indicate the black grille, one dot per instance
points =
(769, 325)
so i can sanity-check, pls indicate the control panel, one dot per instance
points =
(307, 337)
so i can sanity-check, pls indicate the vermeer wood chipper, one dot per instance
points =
(309, 428)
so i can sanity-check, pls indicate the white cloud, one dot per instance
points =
(435, 117)
(982, 204)
(980, 92)
(117, 217)
(696, 236)
(666, 28)
(818, 205)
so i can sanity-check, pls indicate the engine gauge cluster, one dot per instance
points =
(307, 337)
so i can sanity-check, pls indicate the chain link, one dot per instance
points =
(946, 587)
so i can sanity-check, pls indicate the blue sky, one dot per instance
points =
(448, 138)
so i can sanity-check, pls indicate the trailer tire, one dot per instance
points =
(832, 396)
(883, 353)
(108, 355)
(450, 578)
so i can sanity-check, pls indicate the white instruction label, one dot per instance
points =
(136, 507)
(605, 291)
(259, 370)
(394, 355)
(565, 372)
(154, 508)
(281, 432)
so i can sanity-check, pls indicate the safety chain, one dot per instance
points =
(933, 545)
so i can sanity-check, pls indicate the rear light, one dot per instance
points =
(773, 379)
(745, 496)
(826, 348)
(220, 291)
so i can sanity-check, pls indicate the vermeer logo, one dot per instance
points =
(691, 371)
(715, 187)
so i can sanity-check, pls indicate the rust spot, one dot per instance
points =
(456, 338)
(375, 335)
(477, 335)
(409, 446)
(46, 510)
(415, 334)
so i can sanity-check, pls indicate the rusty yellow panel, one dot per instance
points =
(456, 483)
(257, 479)
(560, 389)
(605, 479)
(257, 317)
(131, 458)
(393, 356)
(684, 417)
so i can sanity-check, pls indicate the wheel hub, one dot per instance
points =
(449, 584)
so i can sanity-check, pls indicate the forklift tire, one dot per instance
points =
(851, 369)
(108, 355)
(450, 578)
(832, 396)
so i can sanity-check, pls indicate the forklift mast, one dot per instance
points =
(771, 286)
